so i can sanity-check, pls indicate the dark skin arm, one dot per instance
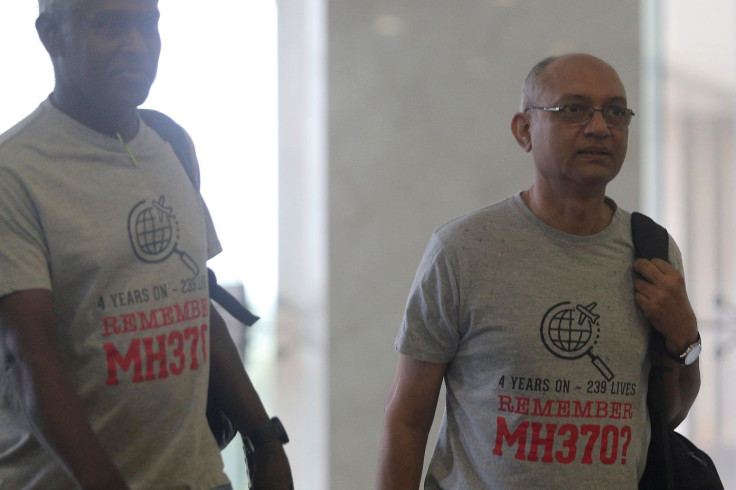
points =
(661, 294)
(47, 396)
(234, 393)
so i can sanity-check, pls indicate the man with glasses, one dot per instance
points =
(531, 313)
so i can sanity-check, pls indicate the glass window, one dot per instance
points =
(691, 67)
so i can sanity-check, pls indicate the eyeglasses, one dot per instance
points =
(614, 116)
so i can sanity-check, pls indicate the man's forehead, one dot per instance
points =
(582, 77)
(570, 98)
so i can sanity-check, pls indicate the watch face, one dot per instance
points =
(693, 355)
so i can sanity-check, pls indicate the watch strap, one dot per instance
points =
(273, 431)
(683, 357)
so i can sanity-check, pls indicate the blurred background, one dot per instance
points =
(335, 137)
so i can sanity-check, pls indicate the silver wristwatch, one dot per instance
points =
(689, 355)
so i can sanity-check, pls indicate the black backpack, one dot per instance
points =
(673, 461)
(220, 425)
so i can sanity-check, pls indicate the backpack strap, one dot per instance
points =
(174, 134)
(229, 302)
(651, 240)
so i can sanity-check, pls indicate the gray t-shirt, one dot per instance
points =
(123, 248)
(547, 377)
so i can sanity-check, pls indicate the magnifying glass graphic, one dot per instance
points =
(567, 332)
(154, 233)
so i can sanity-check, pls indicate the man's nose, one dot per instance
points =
(597, 124)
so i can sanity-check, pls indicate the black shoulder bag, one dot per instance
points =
(673, 462)
(220, 425)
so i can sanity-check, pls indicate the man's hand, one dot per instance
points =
(268, 468)
(661, 294)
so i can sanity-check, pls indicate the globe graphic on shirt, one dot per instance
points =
(572, 332)
(153, 231)
(567, 334)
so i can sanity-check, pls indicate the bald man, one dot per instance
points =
(531, 313)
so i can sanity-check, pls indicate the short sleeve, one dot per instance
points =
(430, 331)
(23, 248)
(213, 242)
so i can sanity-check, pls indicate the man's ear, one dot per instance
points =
(521, 129)
(49, 31)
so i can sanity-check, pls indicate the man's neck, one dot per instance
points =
(582, 216)
(107, 121)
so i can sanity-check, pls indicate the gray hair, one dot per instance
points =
(56, 8)
(531, 84)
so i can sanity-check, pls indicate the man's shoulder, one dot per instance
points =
(24, 129)
(163, 124)
(157, 119)
(167, 129)
(492, 218)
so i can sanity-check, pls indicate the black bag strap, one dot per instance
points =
(229, 302)
(175, 135)
(651, 240)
